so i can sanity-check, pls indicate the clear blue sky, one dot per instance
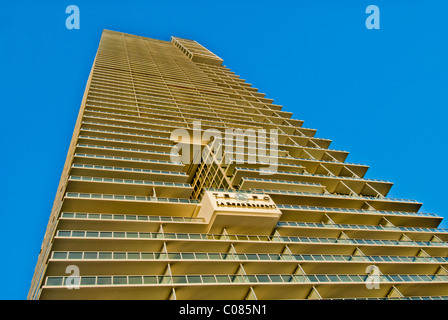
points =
(379, 94)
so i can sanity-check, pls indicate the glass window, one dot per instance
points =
(78, 233)
(120, 280)
(312, 278)
(334, 278)
(263, 256)
(75, 255)
(119, 234)
(187, 256)
(322, 278)
(275, 278)
(214, 256)
(395, 277)
(88, 281)
(119, 255)
(90, 255)
(59, 255)
(105, 255)
(147, 255)
(64, 233)
(149, 279)
(223, 278)
(54, 281)
(406, 278)
(328, 257)
(179, 279)
(104, 280)
(236, 278)
(92, 234)
(133, 255)
(426, 278)
(355, 278)
(105, 234)
(201, 255)
(263, 278)
(208, 279)
(144, 235)
(135, 279)
(344, 278)
(299, 278)
(194, 279)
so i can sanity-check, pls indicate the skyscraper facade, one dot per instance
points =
(182, 181)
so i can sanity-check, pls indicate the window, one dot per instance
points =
(90, 255)
(54, 281)
(104, 280)
(59, 255)
(120, 280)
(105, 255)
(135, 280)
(75, 255)
(88, 281)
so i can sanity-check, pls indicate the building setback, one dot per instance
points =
(132, 220)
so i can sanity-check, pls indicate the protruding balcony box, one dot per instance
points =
(239, 213)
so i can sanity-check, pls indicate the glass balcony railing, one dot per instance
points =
(254, 238)
(121, 126)
(357, 227)
(128, 217)
(149, 256)
(129, 181)
(347, 210)
(270, 191)
(232, 279)
(127, 141)
(100, 156)
(131, 121)
(162, 117)
(281, 181)
(82, 145)
(278, 158)
(125, 133)
(127, 197)
(127, 169)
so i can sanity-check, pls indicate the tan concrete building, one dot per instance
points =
(133, 220)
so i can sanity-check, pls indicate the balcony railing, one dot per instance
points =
(234, 279)
(252, 238)
(348, 210)
(357, 227)
(206, 256)
(127, 197)
(128, 217)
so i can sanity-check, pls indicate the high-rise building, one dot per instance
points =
(182, 181)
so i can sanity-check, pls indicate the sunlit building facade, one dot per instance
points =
(133, 220)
